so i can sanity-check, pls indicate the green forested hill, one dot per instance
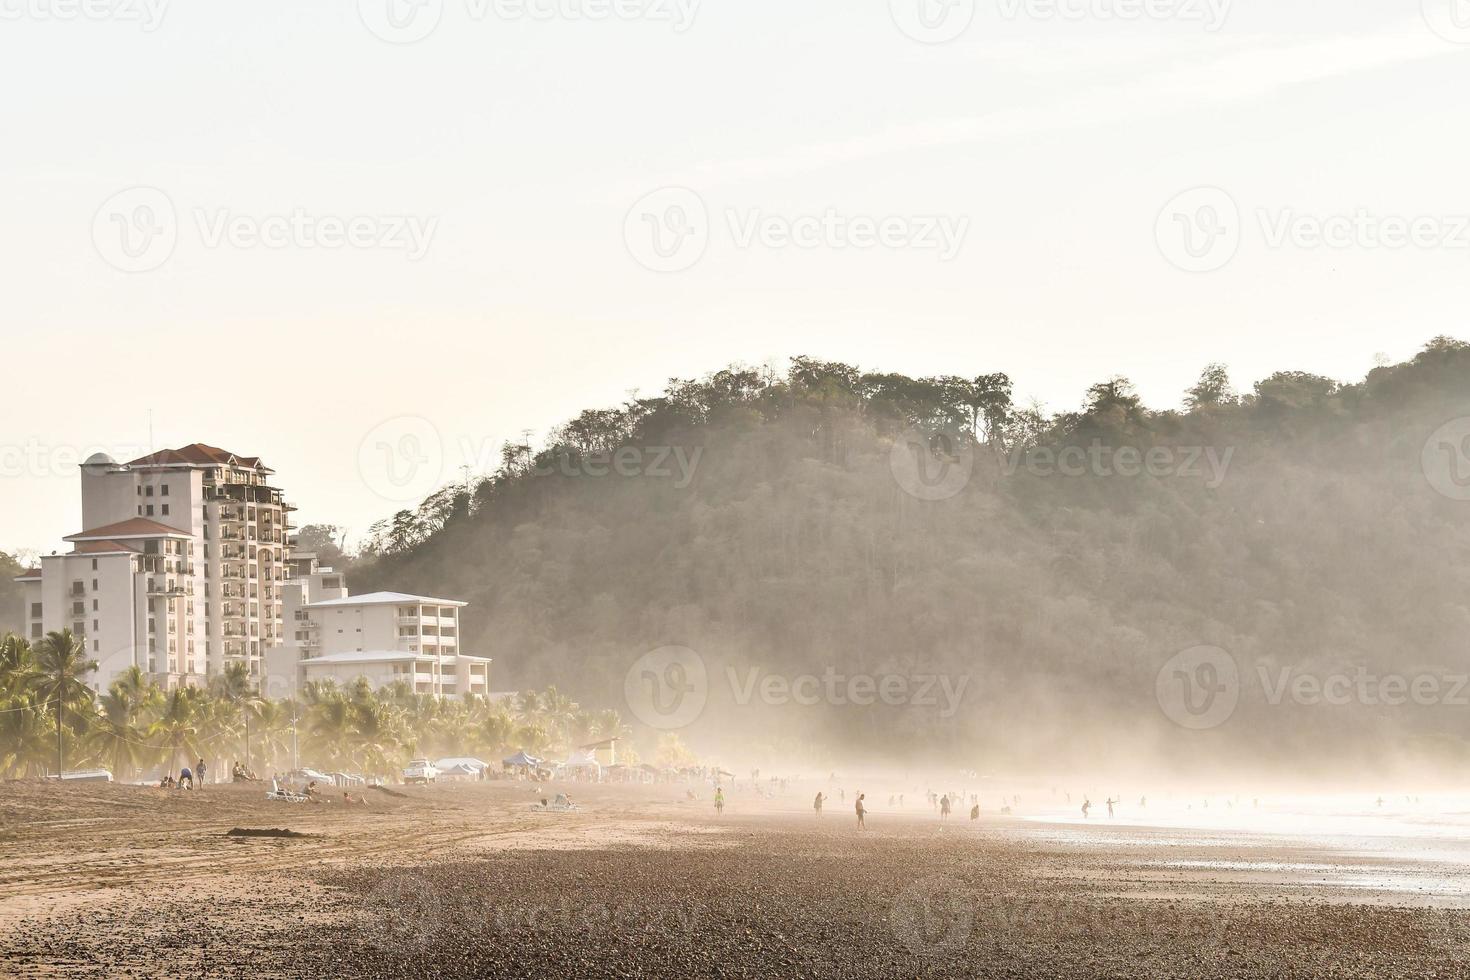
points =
(1294, 526)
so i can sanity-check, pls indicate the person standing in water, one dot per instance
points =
(860, 811)
(1110, 802)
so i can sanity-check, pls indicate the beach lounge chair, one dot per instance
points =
(283, 795)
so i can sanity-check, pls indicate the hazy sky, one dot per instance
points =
(278, 226)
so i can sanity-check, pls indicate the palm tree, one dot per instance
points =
(177, 725)
(18, 671)
(329, 726)
(494, 732)
(23, 741)
(274, 731)
(118, 736)
(62, 660)
(235, 688)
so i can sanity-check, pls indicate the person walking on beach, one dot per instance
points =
(975, 812)
(201, 770)
(1110, 802)
(1086, 806)
(860, 811)
(817, 804)
(720, 800)
(944, 807)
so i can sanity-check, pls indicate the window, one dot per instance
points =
(94, 583)
(35, 610)
(150, 510)
(165, 489)
(148, 492)
(94, 605)
(94, 568)
(165, 510)
(35, 631)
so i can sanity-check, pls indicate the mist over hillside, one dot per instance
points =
(1037, 572)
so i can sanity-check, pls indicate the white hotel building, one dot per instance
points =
(385, 637)
(184, 565)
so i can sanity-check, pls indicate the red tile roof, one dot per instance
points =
(134, 527)
(197, 454)
(29, 573)
(101, 548)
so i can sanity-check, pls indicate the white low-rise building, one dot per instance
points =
(384, 637)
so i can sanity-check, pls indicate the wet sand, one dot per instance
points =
(468, 881)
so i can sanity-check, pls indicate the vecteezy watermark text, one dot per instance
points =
(1210, 13)
(655, 462)
(1161, 462)
(147, 14)
(836, 688)
(1201, 687)
(138, 230)
(669, 688)
(409, 21)
(670, 230)
(1201, 230)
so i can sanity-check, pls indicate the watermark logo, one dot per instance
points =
(147, 14)
(407, 233)
(1206, 463)
(841, 690)
(1445, 459)
(1199, 230)
(1363, 229)
(36, 459)
(939, 233)
(673, 463)
(1199, 688)
(668, 230)
(1363, 687)
(933, 917)
(1211, 13)
(1450, 19)
(667, 688)
(401, 21)
(402, 459)
(932, 464)
(136, 230)
(933, 21)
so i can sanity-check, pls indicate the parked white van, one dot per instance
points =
(420, 771)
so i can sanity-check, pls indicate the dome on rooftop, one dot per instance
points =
(100, 459)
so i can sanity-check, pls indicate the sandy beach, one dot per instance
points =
(463, 881)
